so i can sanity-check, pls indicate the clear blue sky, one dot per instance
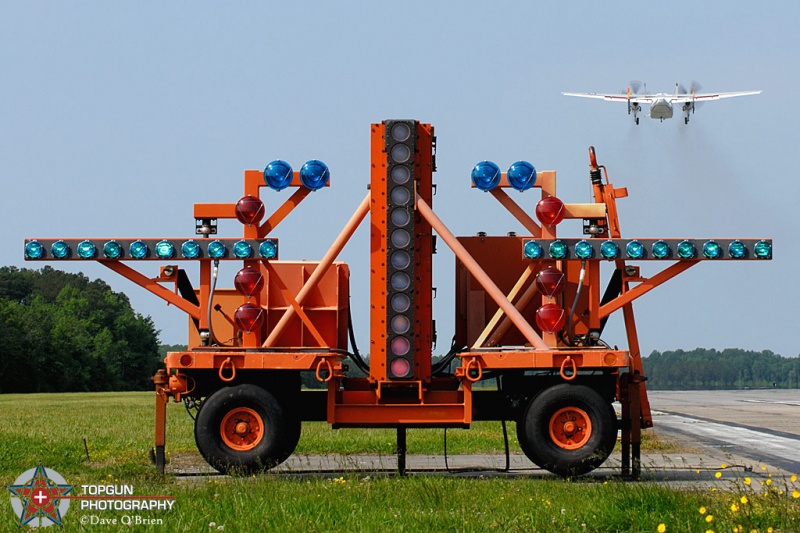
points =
(115, 117)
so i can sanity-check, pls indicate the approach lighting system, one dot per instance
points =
(33, 250)
(486, 175)
(550, 281)
(278, 175)
(190, 249)
(138, 249)
(112, 250)
(314, 175)
(400, 145)
(217, 249)
(249, 317)
(660, 249)
(584, 250)
(647, 249)
(268, 249)
(248, 282)
(551, 318)
(60, 250)
(165, 250)
(521, 175)
(609, 250)
(242, 250)
(86, 250)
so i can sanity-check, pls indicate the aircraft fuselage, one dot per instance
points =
(661, 109)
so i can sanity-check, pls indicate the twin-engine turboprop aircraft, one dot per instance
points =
(661, 103)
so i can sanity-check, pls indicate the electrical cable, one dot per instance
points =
(355, 355)
(575, 302)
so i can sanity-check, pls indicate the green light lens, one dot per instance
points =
(242, 250)
(268, 249)
(34, 250)
(635, 250)
(190, 249)
(763, 250)
(532, 250)
(164, 250)
(660, 250)
(112, 250)
(686, 250)
(712, 250)
(138, 250)
(609, 250)
(86, 250)
(584, 250)
(216, 250)
(558, 250)
(60, 250)
(737, 249)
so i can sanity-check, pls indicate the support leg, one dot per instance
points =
(401, 451)
(158, 454)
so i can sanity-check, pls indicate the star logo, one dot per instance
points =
(39, 497)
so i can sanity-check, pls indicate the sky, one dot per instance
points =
(116, 117)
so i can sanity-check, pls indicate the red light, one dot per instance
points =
(249, 317)
(550, 281)
(550, 318)
(550, 211)
(249, 210)
(400, 367)
(248, 281)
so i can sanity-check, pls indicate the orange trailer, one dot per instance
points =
(529, 315)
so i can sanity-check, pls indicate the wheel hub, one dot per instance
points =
(242, 429)
(570, 428)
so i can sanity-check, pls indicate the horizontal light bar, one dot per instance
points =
(647, 249)
(149, 249)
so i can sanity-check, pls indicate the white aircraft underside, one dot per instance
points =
(661, 104)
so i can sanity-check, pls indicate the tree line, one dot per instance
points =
(61, 332)
(710, 369)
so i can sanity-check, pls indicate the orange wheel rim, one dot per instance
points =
(242, 429)
(570, 428)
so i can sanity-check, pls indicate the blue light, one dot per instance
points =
(314, 174)
(737, 249)
(583, 249)
(686, 250)
(164, 250)
(521, 175)
(558, 250)
(763, 250)
(216, 250)
(609, 250)
(190, 249)
(532, 250)
(660, 250)
(635, 250)
(138, 250)
(112, 250)
(278, 175)
(60, 250)
(34, 250)
(712, 250)
(268, 249)
(242, 250)
(486, 175)
(86, 250)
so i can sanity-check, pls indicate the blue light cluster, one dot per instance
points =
(314, 175)
(521, 175)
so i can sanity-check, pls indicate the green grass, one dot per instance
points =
(50, 428)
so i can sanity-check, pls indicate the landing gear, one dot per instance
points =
(244, 429)
(568, 429)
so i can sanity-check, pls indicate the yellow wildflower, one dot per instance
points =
(743, 499)
(734, 507)
(793, 478)
(747, 481)
(662, 528)
(724, 465)
(769, 482)
(796, 494)
(702, 510)
(718, 475)
(709, 518)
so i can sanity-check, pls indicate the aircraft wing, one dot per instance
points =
(643, 99)
(704, 97)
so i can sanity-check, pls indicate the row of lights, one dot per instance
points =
(314, 175)
(635, 249)
(164, 249)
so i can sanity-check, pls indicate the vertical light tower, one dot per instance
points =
(401, 330)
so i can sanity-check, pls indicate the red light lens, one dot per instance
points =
(249, 317)
(249, 210)
(550, 281)
(400, 367)
(248, 281)
(550, 318)
(400, 346)
(550, 211)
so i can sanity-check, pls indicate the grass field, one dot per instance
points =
(50, 429)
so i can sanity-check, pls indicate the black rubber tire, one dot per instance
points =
(537, 443)
(274, 447)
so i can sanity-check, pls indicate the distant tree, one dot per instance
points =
(63, 332)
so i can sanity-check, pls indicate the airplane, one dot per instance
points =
(661, 103)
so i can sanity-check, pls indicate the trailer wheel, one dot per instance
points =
(568, 429)
(242, 429)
